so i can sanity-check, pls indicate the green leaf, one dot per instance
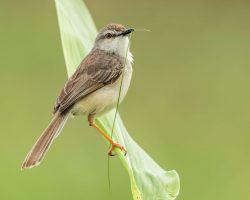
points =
(148, 180)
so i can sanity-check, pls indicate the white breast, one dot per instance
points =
(106, 98)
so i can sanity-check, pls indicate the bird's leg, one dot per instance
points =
(114, 144)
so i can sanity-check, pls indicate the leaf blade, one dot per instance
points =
(148, 180)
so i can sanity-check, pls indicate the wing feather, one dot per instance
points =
(98, 69)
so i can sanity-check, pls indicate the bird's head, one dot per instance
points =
(114, 39)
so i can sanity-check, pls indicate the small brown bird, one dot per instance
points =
(92, 90)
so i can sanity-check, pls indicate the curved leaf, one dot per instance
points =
(148, 180)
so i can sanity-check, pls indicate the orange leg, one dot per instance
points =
(114, 144)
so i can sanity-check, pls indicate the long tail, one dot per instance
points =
(43, 143)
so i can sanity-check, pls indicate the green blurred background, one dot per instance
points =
(188, 105)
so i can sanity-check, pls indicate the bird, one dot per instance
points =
(102, 77)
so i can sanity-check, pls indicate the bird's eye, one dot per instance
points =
(108, 35)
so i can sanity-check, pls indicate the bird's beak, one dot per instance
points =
(126, 32)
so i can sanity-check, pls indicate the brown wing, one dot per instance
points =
(95, 71)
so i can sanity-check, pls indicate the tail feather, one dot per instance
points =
(43, 143)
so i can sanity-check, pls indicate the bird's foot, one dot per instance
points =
(115, 145)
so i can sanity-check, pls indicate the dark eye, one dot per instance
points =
(108, 35)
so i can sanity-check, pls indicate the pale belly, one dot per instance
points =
(104, 99)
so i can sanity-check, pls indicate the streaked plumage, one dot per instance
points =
(93, 89)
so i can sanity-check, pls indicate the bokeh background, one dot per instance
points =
(188, 105)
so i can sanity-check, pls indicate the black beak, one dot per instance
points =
(128, 31)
